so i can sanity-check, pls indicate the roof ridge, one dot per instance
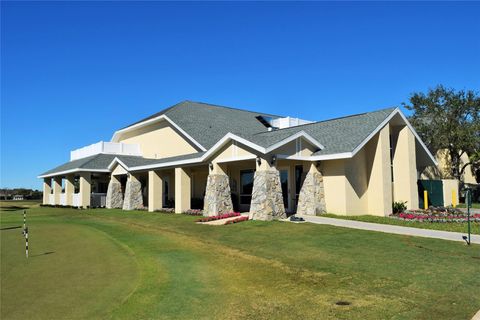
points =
(327, 120)
(232, 108)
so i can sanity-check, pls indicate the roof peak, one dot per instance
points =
(332, 119)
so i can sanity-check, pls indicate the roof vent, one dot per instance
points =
(288, 122)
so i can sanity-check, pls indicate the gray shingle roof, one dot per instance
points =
(207, 124)
(336, 135)
(102, 161)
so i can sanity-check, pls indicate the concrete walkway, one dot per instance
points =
(408, 231)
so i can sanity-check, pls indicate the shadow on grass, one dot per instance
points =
(42, 254)
(13, 208)
(10, 228)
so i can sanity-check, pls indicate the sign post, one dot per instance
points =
(468, 201)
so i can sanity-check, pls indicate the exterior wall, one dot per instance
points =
(118, 170)
(404, 167)
(334, 182)
(183, 193)
(357, 184)
(361, 185)
(85, 188)
(380, 175)
(199, 182)
(57, 189)
(158, 140)
(155, 191)
(449, 186)
(298, 147)
(47, 190)
(69, 190)
(232, 151)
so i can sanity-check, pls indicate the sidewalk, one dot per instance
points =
(408, 231)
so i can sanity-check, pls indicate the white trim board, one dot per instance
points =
(71, 171)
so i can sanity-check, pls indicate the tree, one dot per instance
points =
(449, 120)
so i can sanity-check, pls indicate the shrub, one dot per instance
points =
(399, 206)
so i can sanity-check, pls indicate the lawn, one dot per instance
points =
(475, 205)
(450, 226)
(99, 264)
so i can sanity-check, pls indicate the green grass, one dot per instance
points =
(474, 205)
(112, 264)
(450, 226)
(12, 205)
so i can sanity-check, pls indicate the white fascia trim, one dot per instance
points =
(299, 134)
(249, 157)
(166, 164)
(334, 156)
(120, 162)
(156, 119)
(409, 125)
(385, 122)
(71, 171)
(230, 136)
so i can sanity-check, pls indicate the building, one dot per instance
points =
(198, 155)
(18, 197)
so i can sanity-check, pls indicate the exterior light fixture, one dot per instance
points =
(274, 159)
(259, 161)
(210, 165)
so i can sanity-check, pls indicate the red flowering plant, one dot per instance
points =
(193, 212)
(239, 219)
(219, 217)
(436, 214)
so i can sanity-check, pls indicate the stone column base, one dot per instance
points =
(114, 195)
(133, 194)
(218, 198)
(311, 200)
(267, 199)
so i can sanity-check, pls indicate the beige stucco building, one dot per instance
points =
(220, 159)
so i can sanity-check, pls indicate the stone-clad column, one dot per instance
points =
(311, 200)
(267, 198)
(133, 194)
(218, 197)
(47, 190)
(114, 194)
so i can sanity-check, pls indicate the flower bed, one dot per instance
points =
(239, 219)
(221, 216)
(193, 212)
(436, 214)
(166, 210)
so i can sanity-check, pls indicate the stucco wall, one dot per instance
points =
(158, 140)
(362, 184)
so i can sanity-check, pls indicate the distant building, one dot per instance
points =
(17, 197)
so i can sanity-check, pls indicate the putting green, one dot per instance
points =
(74, 271)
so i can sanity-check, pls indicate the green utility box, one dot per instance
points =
(435, 192)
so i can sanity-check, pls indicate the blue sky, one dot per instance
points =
(74, 72)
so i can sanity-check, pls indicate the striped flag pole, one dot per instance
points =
(26, 242)
(24, 220)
